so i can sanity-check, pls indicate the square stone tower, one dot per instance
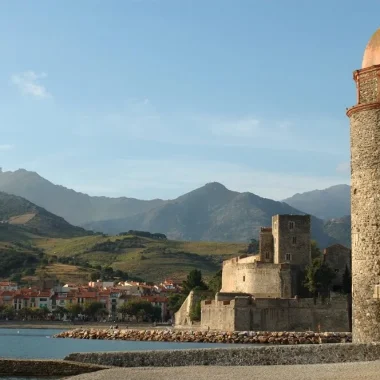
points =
(291, 239)
(266, 245)
(365, 196)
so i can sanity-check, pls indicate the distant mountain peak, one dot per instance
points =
(329, 203)
(215, 186)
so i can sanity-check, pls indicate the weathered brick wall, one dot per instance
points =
(365, 218)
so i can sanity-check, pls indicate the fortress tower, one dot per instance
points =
(365, 195)
(291, 239)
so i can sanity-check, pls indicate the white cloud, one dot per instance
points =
(5, 147)
(28, 83)
(140, 120)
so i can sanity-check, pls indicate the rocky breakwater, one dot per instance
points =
(237, 337)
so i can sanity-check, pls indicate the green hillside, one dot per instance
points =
(28, 217)
(34, 241)
(150, 259)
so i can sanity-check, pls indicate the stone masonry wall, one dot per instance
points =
(264, 355)
(365, 218)
(338, 257)
(294, 241)
(246, 314)
(257, 278)
(368, 90)
(266, 245)
(182, 316)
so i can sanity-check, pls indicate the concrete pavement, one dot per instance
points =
(344, 371)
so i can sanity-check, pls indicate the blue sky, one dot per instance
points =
(153, 98)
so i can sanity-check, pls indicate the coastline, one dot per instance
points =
(60, 325)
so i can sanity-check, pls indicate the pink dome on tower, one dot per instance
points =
(372, 51)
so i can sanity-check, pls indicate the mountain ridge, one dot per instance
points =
(17, 213)
(205, 216)
(75, 207)
(211, 212)
(333, 202)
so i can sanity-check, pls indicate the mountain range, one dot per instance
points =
(333, 202)
(18, 214)
(211, 212)
(75, 207)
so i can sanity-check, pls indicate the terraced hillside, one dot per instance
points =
(18, 211)
(35, 242)
(150, 259)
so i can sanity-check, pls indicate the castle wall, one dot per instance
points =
(365, 222)
(266, 245)
(338, 257)
(291, 234)
(218, 315)
(244, 314)
(182, 316)
(254, 277)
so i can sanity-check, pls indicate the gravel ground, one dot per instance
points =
(346, 371)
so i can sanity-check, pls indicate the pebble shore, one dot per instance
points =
(237, 337)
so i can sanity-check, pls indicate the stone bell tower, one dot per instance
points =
(365, 196)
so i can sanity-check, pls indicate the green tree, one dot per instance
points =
(74, 309)
(175, 301)
(92, 309)
(123, 310)
(346, 281)
(141, 314)
(139, 308)
(319, 277)
(107, 273)
(59, 312)
(315, 251)
(40, 313)
(25, 313)
(102, 313)
(16, 277)
(8, 312)
(156, 314)
(195, 313)
(215, 284)
(194, 280)
(94, 276)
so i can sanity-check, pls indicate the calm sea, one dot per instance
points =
(39, 344)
